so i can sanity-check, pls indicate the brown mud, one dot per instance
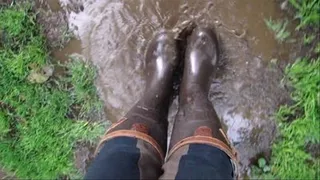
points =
(114, 35)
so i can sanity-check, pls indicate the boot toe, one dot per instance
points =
(204, 41)
(164, 36)
(163, 45)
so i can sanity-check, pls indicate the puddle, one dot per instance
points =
(54, 5)
(114, 35)
(62, 55)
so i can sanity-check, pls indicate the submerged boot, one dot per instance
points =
(197, 121)
(147, 120)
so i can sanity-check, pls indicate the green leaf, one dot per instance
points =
(317, 49)
(266, 169)
(262, 163)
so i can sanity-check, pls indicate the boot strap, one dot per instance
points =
(130, 133)
(205, 140)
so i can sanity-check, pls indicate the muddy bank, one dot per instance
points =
(61, 45)
(246, 91)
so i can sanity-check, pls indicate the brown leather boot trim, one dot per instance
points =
(134, 134)
(225, 136)
(205, 140)
(115, 125)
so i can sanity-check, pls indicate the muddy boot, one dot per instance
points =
(147, 120)
(196, 121)
(149, 115)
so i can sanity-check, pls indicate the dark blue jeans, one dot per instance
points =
(128, 158)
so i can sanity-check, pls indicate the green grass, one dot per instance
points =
(298, 126)
(307, 11)
(83, 90)
(299, 122)
(308, 39)
(40, 114)
(279, 28)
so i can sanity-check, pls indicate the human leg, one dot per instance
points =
(141, 136)
(198, 148)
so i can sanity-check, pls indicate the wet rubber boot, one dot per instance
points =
(147, 120)
(196, 121)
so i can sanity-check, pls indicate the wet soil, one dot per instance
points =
(246, 92)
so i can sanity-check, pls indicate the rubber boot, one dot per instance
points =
(147, 120)
(197, 121)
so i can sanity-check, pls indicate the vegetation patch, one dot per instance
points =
(42, 115)
(307, 11)
(279, 28)
(295, 153)
(299, 124)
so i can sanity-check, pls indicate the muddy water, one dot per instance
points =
(114, 35)
(73, 47)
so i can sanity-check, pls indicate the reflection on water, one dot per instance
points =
(114, 35)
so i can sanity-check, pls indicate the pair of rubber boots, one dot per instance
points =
(196, 121)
